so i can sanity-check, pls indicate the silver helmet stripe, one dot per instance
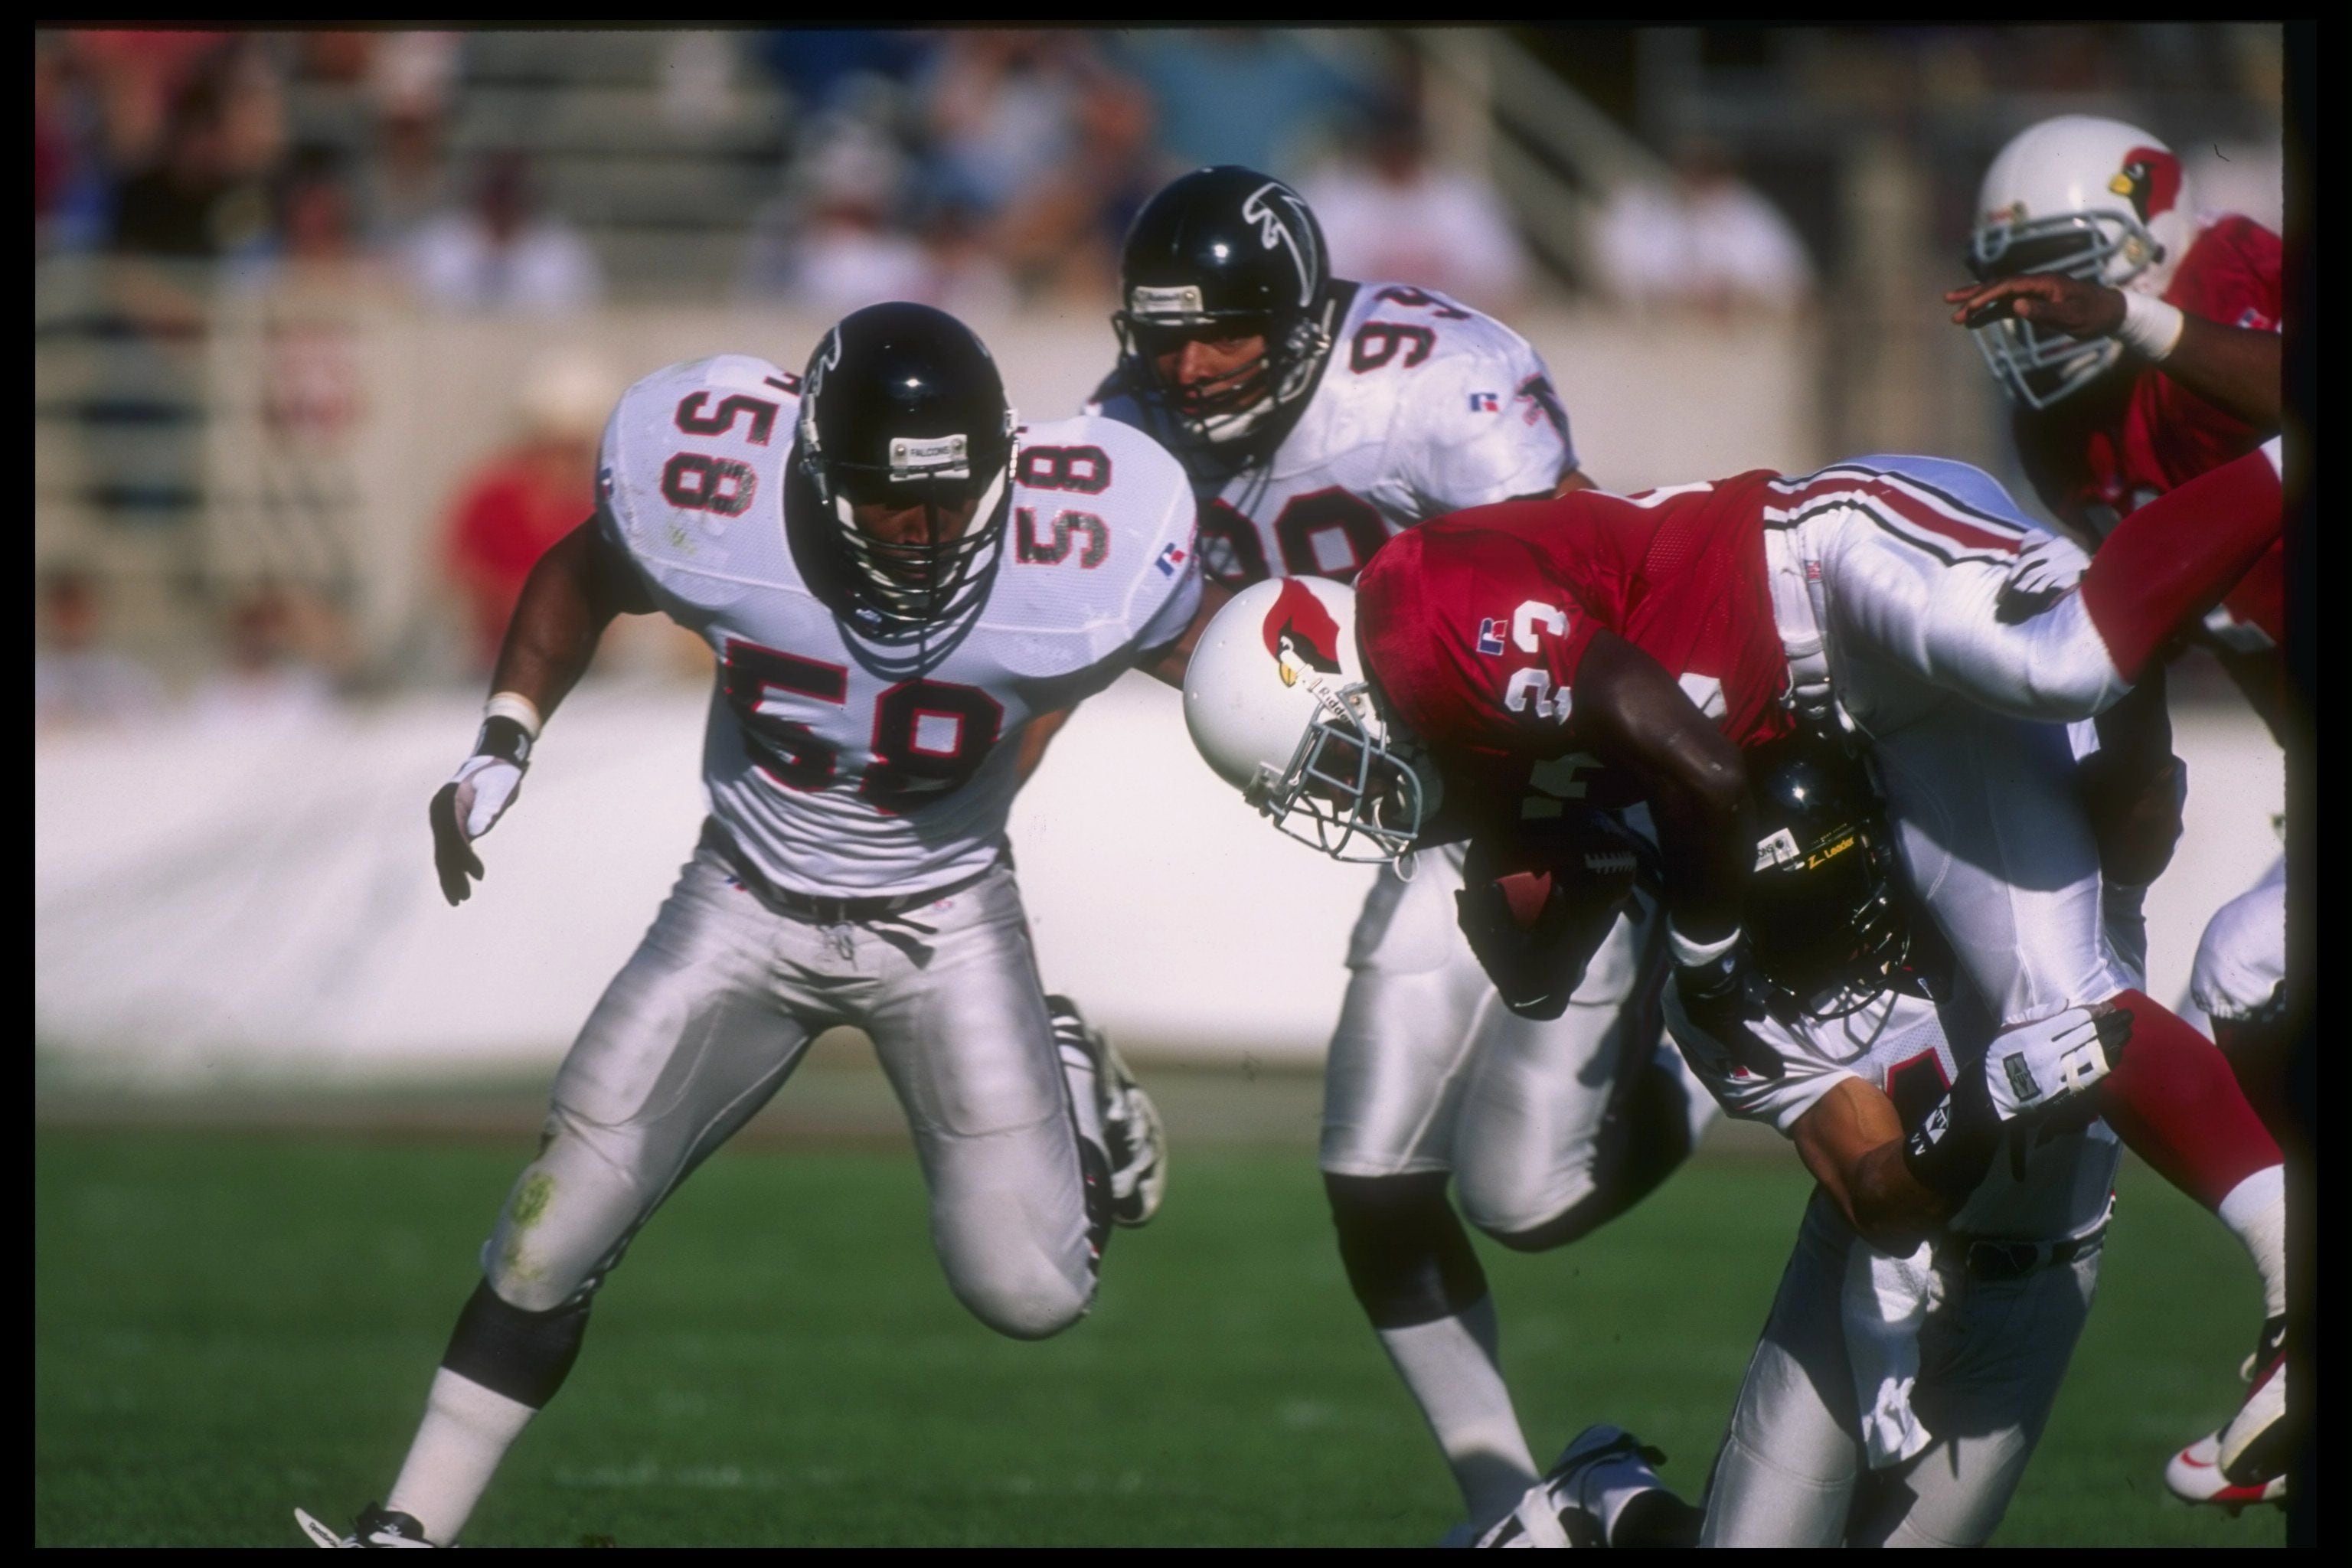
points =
(1274, 229)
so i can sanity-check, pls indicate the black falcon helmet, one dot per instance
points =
(1235, 252)
(902, 405)
(1827, 919)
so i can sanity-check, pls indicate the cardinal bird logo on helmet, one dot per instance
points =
(1301, 634)
(2151, 179)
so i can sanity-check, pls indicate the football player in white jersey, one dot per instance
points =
(895, 579)
(1318, 418)
(1920, 1332)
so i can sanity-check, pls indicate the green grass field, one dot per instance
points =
(228, 1326)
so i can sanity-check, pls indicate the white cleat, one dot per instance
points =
(2195, 1476)
(376, 1527)
(2253, 1445)
(1603, 1468)
(1138, 1144)
(2245, 1461)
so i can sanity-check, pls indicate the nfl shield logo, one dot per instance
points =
(1490, 637)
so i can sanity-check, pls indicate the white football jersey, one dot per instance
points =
(1912, 1050)
(1425, 407)
(841, 767)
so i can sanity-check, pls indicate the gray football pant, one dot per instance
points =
(1429, 1071)
(1992, 1355)
(708, 1018)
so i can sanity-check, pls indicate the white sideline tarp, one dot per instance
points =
(213, 905)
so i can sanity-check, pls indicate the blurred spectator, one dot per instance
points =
(205, 193)
(77, 683)
(826, 68)
(1252, 95)
(278, 645)
(72, 193)
(831, 243)
(1002, 113)
(140, 75)
(1063, 235)
(413, 73)
(314, 242)
(960, 273)
(1389, 212)
(501, 253)
(409, 78)
(1707, 241)
(524, 498)
(406, 183)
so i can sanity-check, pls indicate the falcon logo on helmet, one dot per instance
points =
(1301, 634)
(1264, 206)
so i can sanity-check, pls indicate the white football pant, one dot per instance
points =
(1991, 1354)
(2241, 958)
(1429, 1071)
(709, 1018)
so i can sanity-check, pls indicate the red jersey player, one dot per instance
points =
(2138, 351)
(1598, 646)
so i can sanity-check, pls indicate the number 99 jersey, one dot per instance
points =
(841, 766)
(1424, 406)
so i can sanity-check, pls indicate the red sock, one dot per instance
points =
(2172, 560)
(2176, 1104)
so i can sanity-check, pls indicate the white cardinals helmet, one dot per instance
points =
(1278, 703)
(2089, 199)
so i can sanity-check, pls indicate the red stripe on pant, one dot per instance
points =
(2175, 1102)
(2171, 560)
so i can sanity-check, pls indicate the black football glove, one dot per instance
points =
(1725, 998)
(473, 800)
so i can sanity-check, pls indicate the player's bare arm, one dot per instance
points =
(571, 596)
(2236, 369)
(1633, 715)
(2133, 787)
(1630, 713)
(1035, 737)
(1852, 1140)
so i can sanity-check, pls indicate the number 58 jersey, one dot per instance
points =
(846, 766)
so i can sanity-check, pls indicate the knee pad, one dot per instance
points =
(1408, 1258)
(523, 1355)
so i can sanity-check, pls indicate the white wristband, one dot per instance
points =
(515, 706)
(2150, 325)
(1690, 954)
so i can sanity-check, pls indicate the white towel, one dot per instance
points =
(1884, 1302)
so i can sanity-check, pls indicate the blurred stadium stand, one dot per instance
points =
(245, 420)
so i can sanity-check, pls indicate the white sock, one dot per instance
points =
(466, 1432)
(2256, 1211)
(1451, 1367)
